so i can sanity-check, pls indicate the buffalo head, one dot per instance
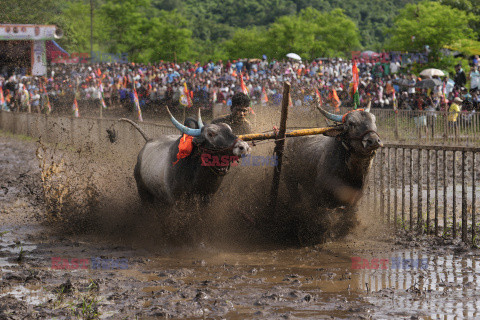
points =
(357, 130)
(215, 140)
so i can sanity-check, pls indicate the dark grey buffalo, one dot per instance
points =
(160, 177)
(331, 168)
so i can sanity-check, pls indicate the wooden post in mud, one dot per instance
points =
(396, 125)
(279, 146)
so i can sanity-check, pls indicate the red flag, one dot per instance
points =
(75, 108)
(319, 97)
(242, 84)
(333, 97)
(264, 95)
(137, 103)
(2, 99)
(188, 94)
(355, 76)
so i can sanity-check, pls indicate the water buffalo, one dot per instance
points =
(162, 176)
(331, 168)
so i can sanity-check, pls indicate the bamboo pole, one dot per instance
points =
(295, 133)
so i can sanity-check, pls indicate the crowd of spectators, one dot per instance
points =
(387, 85)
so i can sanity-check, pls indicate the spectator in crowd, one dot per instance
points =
(474, 76)
(453, 113)
(35, 101)
(460, 77)
(215, 83)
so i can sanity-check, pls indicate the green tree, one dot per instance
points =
(75, 22)
(127, 26)
(472, 6)
(146, 34)
(30, 11)
(430, 23)
(247, 43)
(313, 34)
(168, 37)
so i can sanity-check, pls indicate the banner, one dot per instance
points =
(39, 58)
(185, 98)
(102, 100)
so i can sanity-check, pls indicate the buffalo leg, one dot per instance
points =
(144, 194)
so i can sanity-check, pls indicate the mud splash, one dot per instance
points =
(212, 267)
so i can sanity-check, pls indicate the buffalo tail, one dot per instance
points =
(136, 127)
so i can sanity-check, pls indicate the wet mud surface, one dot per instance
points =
(117, 265)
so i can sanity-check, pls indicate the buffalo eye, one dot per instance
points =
(211, 134)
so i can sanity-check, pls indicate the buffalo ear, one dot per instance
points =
(334, 131)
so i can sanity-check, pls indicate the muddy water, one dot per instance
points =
(211, 280)
(269, 283)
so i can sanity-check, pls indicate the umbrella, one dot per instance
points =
(428, 83)
(432, 72)
(401, 82)
(294, 56)
(368, 53)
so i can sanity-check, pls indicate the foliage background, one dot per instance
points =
(153, 30)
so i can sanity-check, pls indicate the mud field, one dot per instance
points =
(76, 244)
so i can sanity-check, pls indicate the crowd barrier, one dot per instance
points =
(429, 189)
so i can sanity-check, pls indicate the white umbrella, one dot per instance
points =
(432, 72)
(294, 56)
(368, 53)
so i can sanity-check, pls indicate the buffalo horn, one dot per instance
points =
(182, 128)
(330, 116)
(367, 109)
(199, 119)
